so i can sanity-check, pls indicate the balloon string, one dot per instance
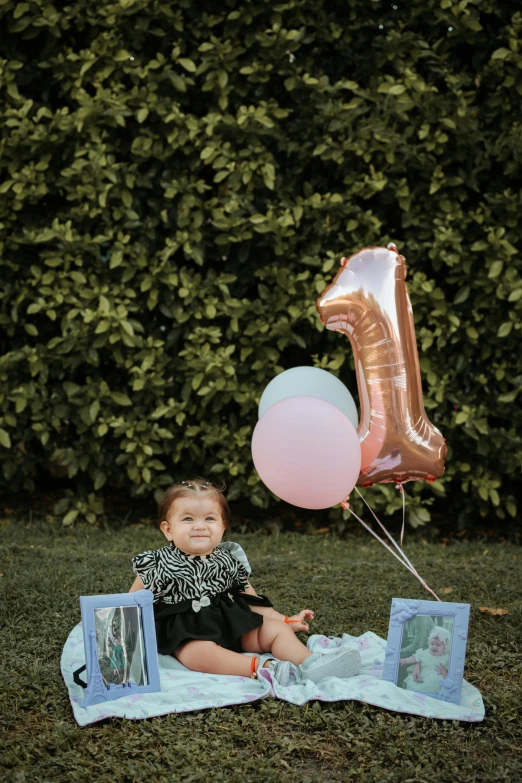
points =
(368, 528)
(395, 544)
(403, 559)
(401, 488)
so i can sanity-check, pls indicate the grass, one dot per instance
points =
(349, 583)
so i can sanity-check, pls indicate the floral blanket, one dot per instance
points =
(183, 690)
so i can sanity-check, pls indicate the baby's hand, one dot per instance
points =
(297, 621)
(417, 674)
(441, 669)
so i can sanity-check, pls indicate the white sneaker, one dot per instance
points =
(283, 672)
(341, 663)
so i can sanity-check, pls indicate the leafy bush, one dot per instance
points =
(177, 185)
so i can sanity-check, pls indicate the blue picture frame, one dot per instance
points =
(119, 637)
(411, 626)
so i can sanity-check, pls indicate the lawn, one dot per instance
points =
(349, 583)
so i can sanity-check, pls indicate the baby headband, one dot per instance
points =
(191, 484)
(442, 634)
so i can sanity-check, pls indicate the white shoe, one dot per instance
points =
(283, 672)
(341, 663)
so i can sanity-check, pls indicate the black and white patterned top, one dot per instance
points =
(174, 576)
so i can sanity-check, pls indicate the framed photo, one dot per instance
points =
(119, 637)
(426, 647)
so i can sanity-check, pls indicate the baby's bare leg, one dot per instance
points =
(211, 658)
(275, 637)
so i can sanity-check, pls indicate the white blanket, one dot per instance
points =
(183, 690)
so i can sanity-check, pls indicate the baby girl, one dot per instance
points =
(206, 611)
(431, 665)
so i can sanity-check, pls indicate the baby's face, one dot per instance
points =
(436, 647)
(194, 525)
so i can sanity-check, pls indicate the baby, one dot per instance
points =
(431, 665)
(206, 611)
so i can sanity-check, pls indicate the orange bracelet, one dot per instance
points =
(287, 620)
(253, 667)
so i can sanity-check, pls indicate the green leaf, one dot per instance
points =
(196, 380)
(495, 268)
(462, 295)
(500, 54)
(5, 440)
(20, 10)
(511, 508)
(483, 492)
(99, 480)
(21, 404)
(102, 327)
(116, 259)
(94, 410)
(508, 396)
(269, 175)
(70, 518)
(70, 388)
(187, 64)
(120, 399)
(159, 412)
(142, 114)
(505, 329)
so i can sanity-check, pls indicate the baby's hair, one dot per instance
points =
(196, 486)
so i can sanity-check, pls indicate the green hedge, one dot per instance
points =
(178, 183)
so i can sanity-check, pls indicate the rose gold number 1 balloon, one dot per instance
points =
(368, 301)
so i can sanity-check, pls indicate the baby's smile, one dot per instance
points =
(437, 648)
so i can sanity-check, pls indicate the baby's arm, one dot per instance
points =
(416, 673)
(137, 585)
(298, 621)
(405, 661)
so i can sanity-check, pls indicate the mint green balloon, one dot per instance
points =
(312, 382)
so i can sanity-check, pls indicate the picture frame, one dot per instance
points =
(119, 637)
(426, 647)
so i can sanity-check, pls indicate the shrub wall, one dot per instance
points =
(178, 181)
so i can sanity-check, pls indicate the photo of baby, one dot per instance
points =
(120, 645)
(429, 664)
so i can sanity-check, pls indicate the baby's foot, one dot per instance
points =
(341, 663)
(318, 666)
(283, 672)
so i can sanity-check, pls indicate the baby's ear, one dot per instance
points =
(165, 529)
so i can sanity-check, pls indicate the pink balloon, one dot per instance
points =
(307, 452)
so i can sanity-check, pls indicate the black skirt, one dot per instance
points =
(224, 621)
